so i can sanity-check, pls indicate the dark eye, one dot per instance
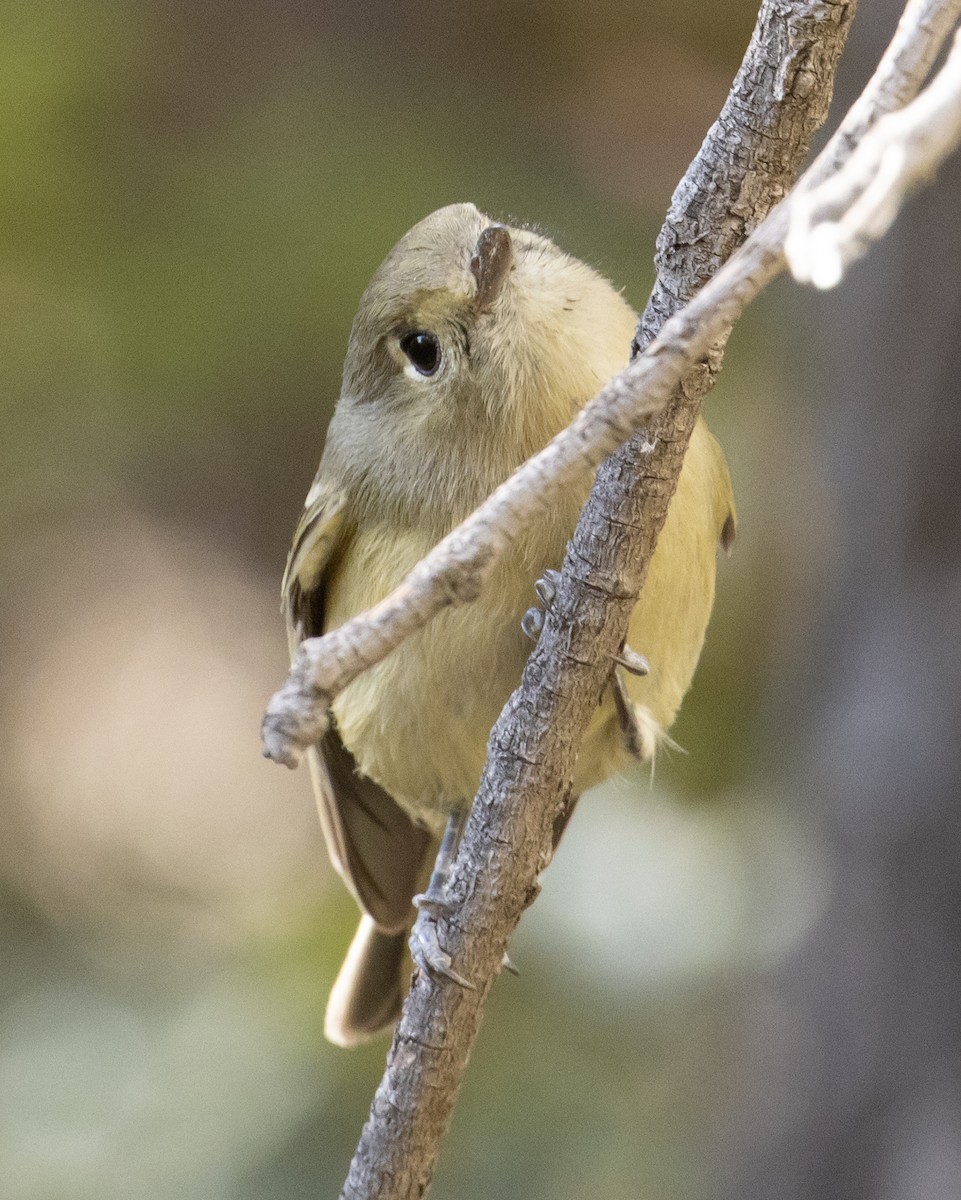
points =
(423, 350)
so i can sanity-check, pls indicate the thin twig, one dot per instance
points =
(834, 223)
(922, 31)
(757, 147)
(456, 569)
(533, 745)
(749, 160)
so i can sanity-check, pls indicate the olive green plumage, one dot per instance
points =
(473, 346)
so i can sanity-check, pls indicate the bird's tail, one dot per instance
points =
(367, 994)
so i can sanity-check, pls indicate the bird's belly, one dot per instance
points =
(418, 722)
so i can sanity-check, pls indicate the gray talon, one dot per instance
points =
(428, 954)
(532, 622)
(546, 587)
(632, 662)
(508, 965)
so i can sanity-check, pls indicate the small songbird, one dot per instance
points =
(474, 344)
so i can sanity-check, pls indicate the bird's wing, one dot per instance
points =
(670, 618)
(374, 846)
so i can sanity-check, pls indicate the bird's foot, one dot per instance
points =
(545, 589)
(428, 954)
(532, 623)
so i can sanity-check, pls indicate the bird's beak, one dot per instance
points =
(491, 263)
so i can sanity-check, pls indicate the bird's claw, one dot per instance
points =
(425, 949)
(545, 589)
(532, 622)
(632, 662)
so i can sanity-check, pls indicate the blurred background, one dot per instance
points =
(741, 979)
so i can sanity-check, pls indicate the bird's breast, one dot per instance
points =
(418, 722)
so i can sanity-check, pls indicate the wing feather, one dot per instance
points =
(374, 846)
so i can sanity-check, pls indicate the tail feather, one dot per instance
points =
(367, 995)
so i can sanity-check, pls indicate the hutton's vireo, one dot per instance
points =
(473, 346)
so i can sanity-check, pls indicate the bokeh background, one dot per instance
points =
(742, 978)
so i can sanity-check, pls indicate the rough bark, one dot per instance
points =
(750, 159)
(455, 570)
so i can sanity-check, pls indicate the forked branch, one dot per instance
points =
(456, 569)
(748, 164)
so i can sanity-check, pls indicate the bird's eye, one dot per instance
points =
(423, 350)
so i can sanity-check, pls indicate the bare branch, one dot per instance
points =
(456, 570)
(533, 745)
(904, 66)
(748, 162)
(833, 224)
(751, 157)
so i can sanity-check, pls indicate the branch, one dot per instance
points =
(922, 30)
(456, 569)
(833, 223)
(749, 160)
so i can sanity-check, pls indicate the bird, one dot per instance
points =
(474, 344)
